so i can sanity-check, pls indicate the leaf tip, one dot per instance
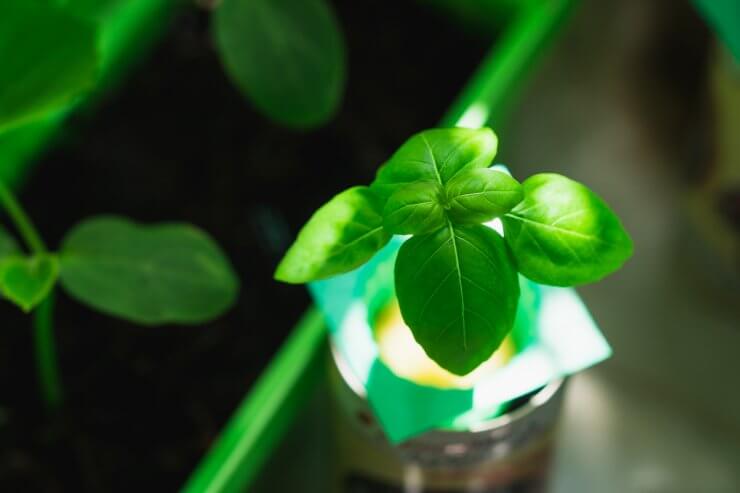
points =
(286, 273)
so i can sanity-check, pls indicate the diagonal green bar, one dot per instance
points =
(492, 88)
(265, 414)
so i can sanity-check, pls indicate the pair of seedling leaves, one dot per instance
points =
(456, 278)
(286, 56)
(151, 275)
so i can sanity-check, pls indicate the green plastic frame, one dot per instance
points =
(261, 420)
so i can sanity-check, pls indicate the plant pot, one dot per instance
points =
(278, 404)
(507, 452)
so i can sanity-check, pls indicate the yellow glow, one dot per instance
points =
(405, 357)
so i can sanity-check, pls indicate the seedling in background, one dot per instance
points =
(170, 273)
(286, 56)
(456, 278)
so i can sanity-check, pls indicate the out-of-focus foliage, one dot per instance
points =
(48, 58)
(26, 281)
(286, 56)
(154, 274)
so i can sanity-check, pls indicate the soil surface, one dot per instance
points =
(177, 142)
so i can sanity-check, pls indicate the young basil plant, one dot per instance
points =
(456, 278)
(150, 275)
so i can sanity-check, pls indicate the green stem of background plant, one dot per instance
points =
(43, 324)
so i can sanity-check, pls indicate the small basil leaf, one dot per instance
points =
(478, 195)
(458, 291)
(414, 209)
(436, 155)
(166, 273)
(26, 281)
(8, 245)
(49, 58)
(563, 234)
(286, 56)
(342, 235)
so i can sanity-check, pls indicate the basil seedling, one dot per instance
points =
(456, 278)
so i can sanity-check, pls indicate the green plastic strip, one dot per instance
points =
(126, 30)
(233, 461)
(491, 90)
(266, 413)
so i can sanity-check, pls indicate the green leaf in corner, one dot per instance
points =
(414, 209)
(563, 234)
(8, 245)
(436, 155)
(458, 291)
(342, 235)
(49, 58)
(26, 281)
(478, 195)
(286, 56)
(157, 274)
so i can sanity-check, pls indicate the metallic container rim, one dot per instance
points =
(540, 399)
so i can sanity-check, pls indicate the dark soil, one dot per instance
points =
(176, 142)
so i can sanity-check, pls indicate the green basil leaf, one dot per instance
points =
(436, 155)
(26, 281)
(342, 235)
(458, 291)
(563, 234)
(165, 273)
(478, 195)
(414, 209)
(286, 56)
(8, 245)
(49, 58)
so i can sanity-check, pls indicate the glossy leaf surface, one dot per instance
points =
(458, 291)
(480, 194)
(286, 56)
(414, 209)
(436, 155)
(165, 273)
(563, 234)
(342, 235)
(48, 58)
(26, 281)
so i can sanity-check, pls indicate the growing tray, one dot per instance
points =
(287, 387)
